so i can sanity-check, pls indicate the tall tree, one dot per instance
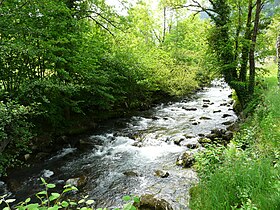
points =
(278, 57)
(246, 43)
(252, 75)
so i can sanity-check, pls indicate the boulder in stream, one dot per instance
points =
(150, 202)
(189, 109)
(161, 173)
(189, 136)
(205, 118)
(178, 139)
(137, 144)
(226, 115)
(228, 123)
(192, 146)
(130, 174)
(203, 141)
(186, 160)
(78, 182)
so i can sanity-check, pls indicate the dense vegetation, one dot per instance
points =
(66, 61)
(245, 174)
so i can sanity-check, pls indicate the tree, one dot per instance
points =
(234, 38)
(278, 57)
(259, 6)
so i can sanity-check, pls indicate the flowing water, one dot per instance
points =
(121, 159)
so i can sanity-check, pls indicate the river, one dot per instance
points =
(122, 157)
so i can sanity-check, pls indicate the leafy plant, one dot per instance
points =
(55, 201)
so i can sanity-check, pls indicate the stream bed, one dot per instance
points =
(124, 156)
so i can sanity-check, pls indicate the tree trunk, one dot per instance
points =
(252, 76)
(238, 30)
(278, 57)
(164, 24)
(246, 44)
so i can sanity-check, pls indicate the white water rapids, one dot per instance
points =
(122, 160)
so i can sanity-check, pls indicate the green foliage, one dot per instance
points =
(15, 132)
(55, 201)
(80, 58)
(245, 175)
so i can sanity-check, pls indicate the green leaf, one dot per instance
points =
(33, 206)
(43, 181)
(42, 193)
(6, 208)
(64, 204)
(90, 202)
(126, 198)
(10, 200)
(27, 200)
(51, 186)
(73, 203)
(129, 206)
(136, 199)
(56, 207)
(54, 196)
(3, 196)
(81, 201)
(71, 188)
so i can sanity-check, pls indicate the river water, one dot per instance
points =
(121, 158)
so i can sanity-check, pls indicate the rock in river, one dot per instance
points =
(186, 160)
(161, 174)
(78, 182)
(205, 118)
(226, 115)
(150, 202)
(189, 109)
(130, 174)
(204, 141)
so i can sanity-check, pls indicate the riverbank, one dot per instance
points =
(129, 156)
(245, 174)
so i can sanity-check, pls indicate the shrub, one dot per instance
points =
(15, 132)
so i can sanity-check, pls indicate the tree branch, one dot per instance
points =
(104, 18)
(102, 26)
(199, 9)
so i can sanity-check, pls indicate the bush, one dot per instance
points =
(15, 132)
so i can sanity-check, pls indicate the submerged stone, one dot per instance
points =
(205, 118)
(130, 174)
(189, 109)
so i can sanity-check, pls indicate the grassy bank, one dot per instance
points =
(245, 174)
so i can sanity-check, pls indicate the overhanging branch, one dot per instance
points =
(101, 25)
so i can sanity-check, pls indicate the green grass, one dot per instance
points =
(245, 178)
